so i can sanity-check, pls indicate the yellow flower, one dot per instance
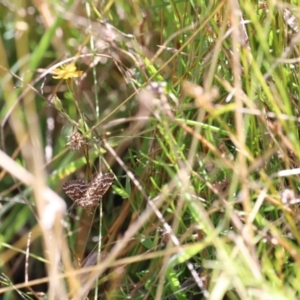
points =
(67, 71)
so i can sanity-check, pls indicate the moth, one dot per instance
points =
(87, 194)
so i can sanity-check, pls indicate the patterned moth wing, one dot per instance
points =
(75, 189)
(87, 194)
(100, 185)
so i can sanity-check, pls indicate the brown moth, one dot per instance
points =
(87, 194)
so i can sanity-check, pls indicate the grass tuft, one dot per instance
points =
(189, 109)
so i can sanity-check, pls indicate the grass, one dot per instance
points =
(193, 106)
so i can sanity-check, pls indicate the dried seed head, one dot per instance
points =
(76, 141)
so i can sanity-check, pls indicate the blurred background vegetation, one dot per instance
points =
(193, 106)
